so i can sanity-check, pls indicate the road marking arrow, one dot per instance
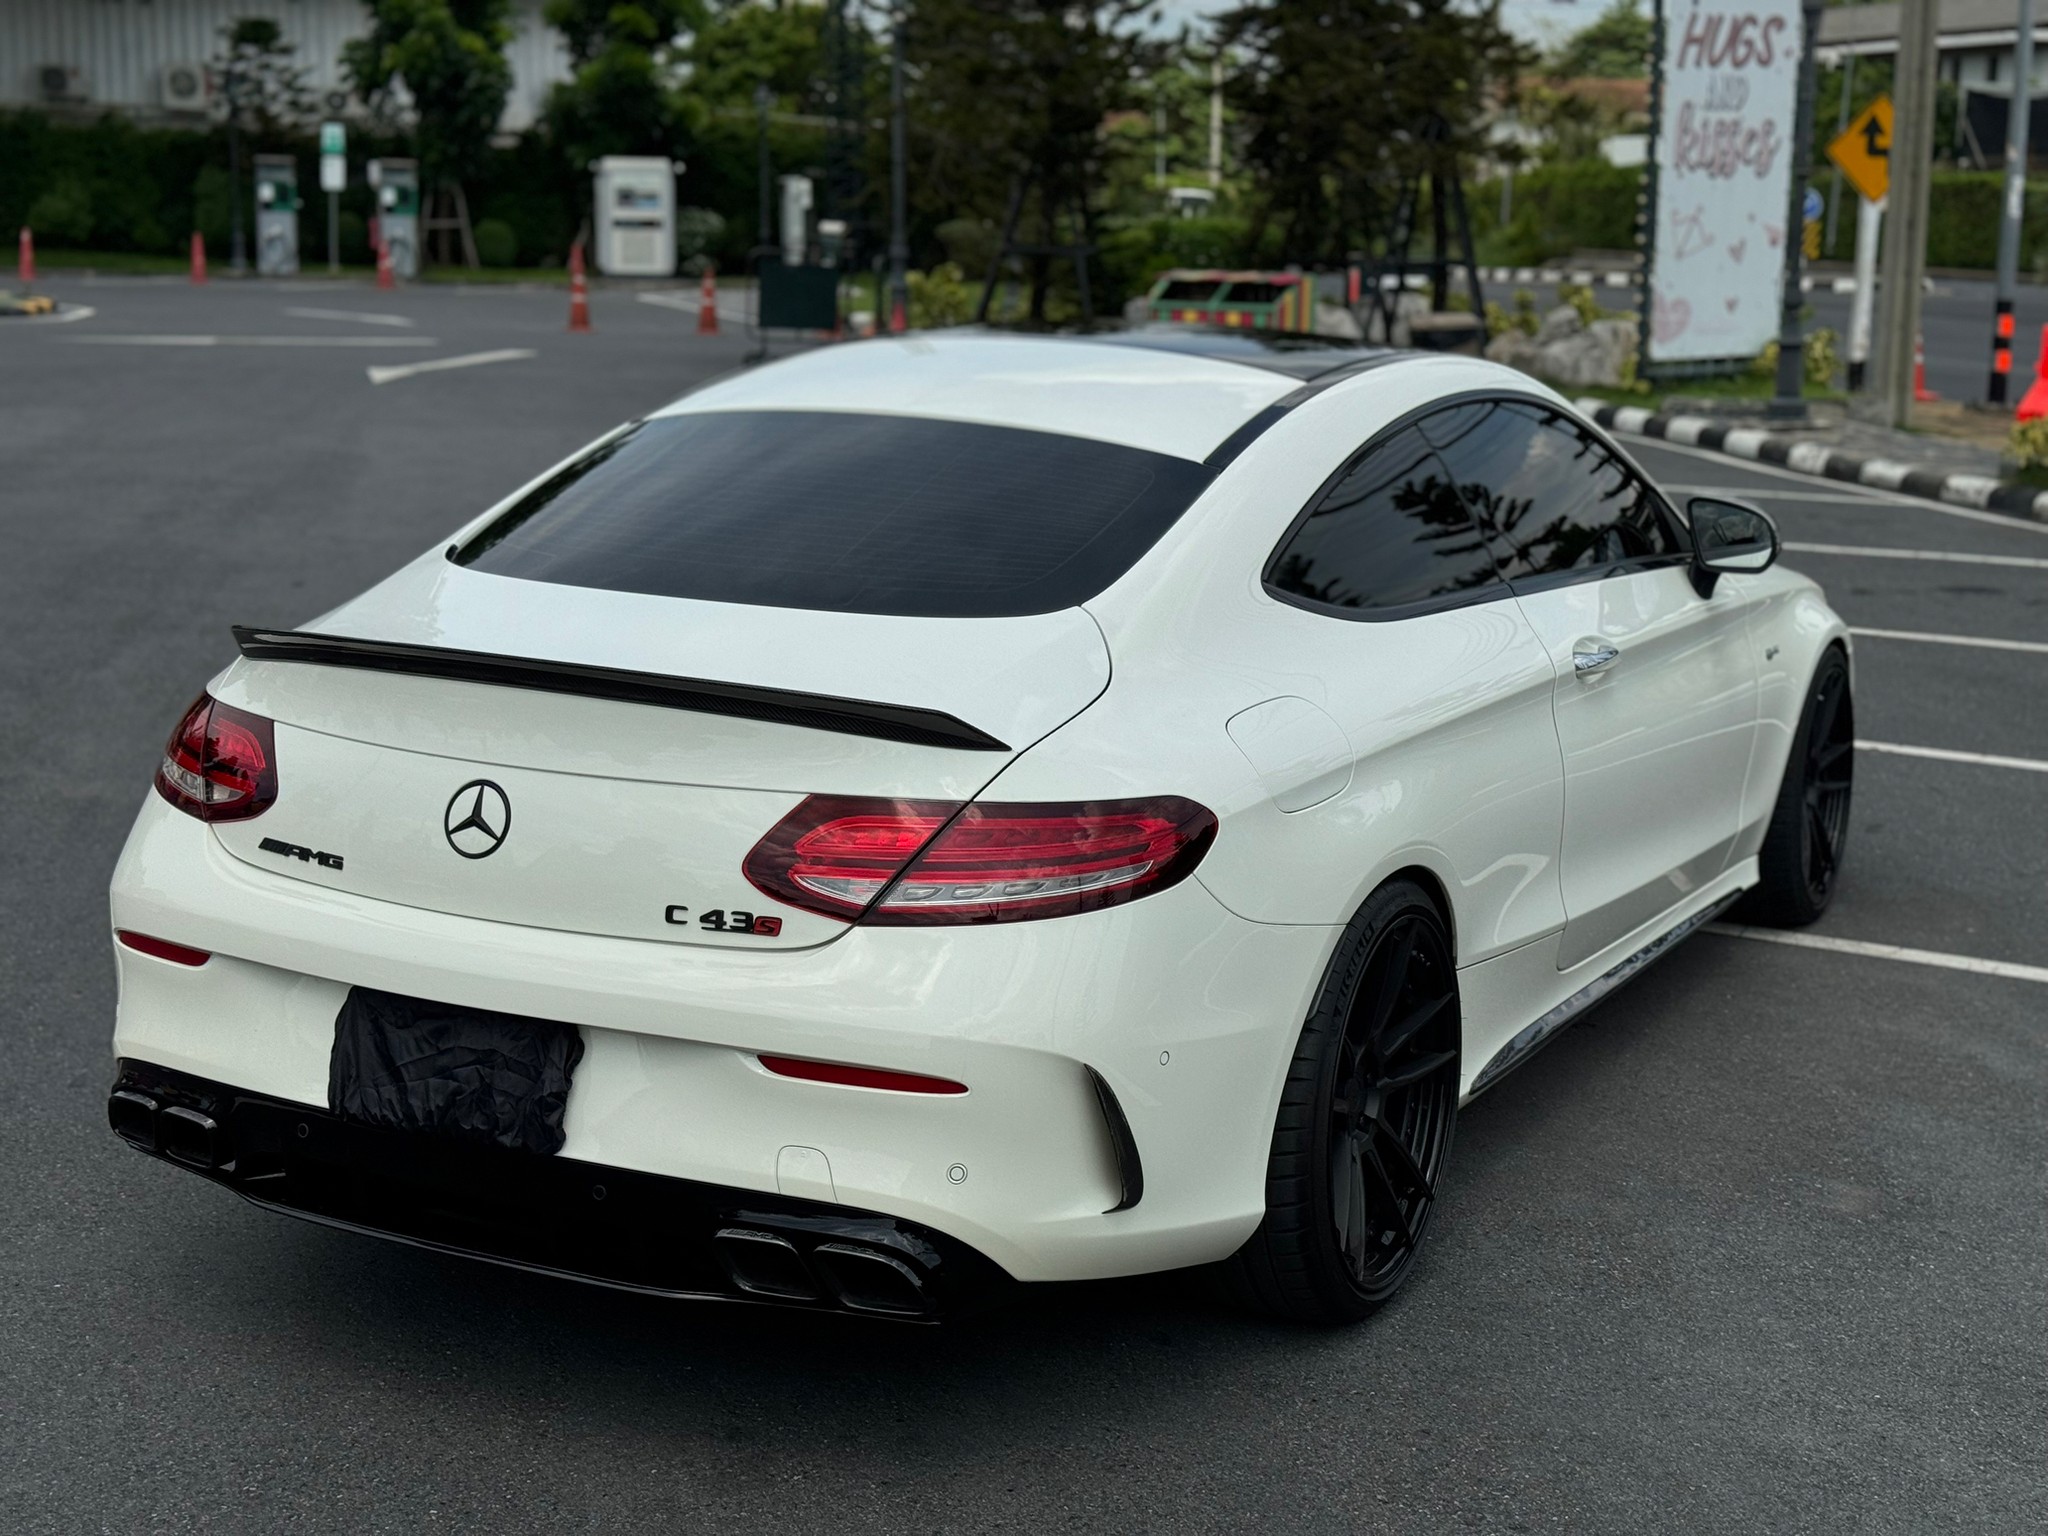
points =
(470, 360)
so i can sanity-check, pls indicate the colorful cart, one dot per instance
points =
(1246, 301)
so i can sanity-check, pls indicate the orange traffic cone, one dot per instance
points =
(28, 255)
(198, 257)
(707, 303)
(387, 276)
(2034, 403)
(1921, 393)
(579, 291)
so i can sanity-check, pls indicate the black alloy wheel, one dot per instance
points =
(1365, 1121)
(1799, 866)
(1830, 763)
(1396, 1095)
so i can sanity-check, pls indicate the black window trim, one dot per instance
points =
(1395, 612)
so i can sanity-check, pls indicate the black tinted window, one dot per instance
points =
(860, 514)
(1391, 531)
(1553, 496)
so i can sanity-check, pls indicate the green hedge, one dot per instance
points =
(1555, 210)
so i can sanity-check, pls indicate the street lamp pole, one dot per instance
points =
(1789, 403)
(763, 98)
(899, 186)
(238, 256)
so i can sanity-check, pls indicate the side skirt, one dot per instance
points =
(1544, 1030)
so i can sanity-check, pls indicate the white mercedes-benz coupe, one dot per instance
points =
(966, 809)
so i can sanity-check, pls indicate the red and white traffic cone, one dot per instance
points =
(1921, 393)
(2034, 403)
(198, 257)
(707, 302)
(579, 291)
(28, 255)
(387, 275)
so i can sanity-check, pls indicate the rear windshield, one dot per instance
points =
(846, 512)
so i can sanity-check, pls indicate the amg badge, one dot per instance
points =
(303, 855)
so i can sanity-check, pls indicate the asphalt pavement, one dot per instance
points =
(1757, 1247)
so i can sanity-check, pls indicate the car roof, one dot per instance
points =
(1167, 390)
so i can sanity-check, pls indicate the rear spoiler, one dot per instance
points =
(814, 711)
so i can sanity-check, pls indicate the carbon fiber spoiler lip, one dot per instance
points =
(745, 701)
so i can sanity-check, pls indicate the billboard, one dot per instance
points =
(1726, 91)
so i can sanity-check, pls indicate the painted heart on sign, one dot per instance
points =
(1670, 317)
(1731, 301)
(1774, 233)
(1737, 247)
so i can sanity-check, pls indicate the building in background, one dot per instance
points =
(1977, 39)
(146, 59)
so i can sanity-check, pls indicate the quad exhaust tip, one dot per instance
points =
(856, 1278)
(184, 1135)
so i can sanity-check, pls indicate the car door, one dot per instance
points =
(1655, 686)
(1437, 695)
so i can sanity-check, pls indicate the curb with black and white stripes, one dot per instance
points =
(1586, 277)
(1810, 458)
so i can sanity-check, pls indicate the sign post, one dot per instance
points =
(333, 178)
(1862, 152)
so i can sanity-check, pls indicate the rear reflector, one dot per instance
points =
(904, 862)
(220, 763)
(162, 949)
(859, 1077)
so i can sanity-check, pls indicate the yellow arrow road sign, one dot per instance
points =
(1864, 150)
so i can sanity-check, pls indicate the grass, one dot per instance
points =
(1740, 387)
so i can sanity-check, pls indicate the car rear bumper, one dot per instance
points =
(556, 1215)
(1186, 1013)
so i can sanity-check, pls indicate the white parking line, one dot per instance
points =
(1932, 957)
(386, 374)
(1876, 552)
(1946, 755)
(251, 341)
(1837, 489)
(1975, 642)
(351, 314)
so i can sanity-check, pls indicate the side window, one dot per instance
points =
(1552, 496)
(1391, 531)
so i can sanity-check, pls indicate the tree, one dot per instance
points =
(1615, 45)
(1010, 94)
(262, 91)
(1350, 98)
(449, 55)
(621, 99)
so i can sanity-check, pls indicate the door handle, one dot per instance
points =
(1592, 660)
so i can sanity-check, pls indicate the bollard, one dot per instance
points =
(386, 276)
(28, 255)
(198, 257)
(707, 302)
(579, 291)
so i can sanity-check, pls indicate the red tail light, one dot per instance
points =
(162, 949)
(926, 862)
(220, 763)
(859, 1077)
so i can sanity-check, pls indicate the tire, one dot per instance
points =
(1800, 863)
(1365, 1121)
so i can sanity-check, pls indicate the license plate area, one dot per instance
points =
(470, 1074)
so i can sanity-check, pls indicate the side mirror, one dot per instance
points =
(1728, 536)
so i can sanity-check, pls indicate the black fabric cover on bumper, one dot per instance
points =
(410, 1065)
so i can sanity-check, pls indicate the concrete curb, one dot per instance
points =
(1806, 457)
(1590, 277)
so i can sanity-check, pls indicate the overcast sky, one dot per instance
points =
(1541, 21)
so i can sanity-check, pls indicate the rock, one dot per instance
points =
(1597, 354)
(1407, 305)
(1335, 320)
(1138, 311)
(1515, 349)
(1560, 323)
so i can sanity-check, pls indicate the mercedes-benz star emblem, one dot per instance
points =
(477, 819)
